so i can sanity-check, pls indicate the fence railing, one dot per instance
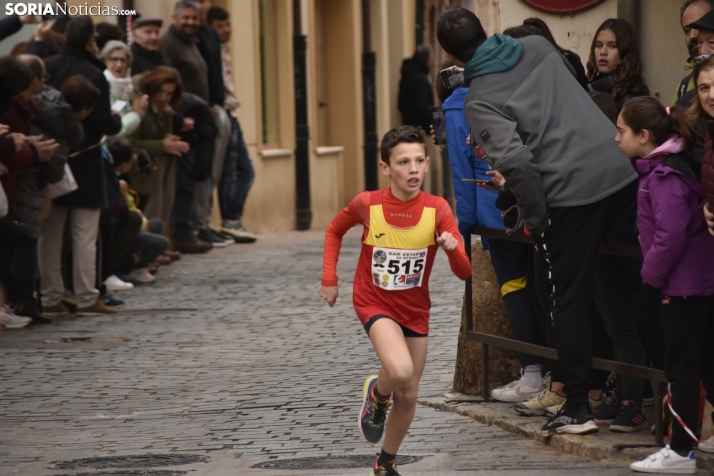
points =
(655, 376)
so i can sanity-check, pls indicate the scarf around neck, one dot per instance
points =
(121, 87)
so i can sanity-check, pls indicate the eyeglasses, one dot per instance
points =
(702, 58)
(117, 60)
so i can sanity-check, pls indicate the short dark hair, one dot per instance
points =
(80, 93)
(398, 135)
(460, 33)
(15, 76)
(121, 152)
(109, 31)
(522, 31)
(217, 14)
(689, 3)
(79, 31)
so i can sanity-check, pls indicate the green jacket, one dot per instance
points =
(152, 131)
(687, 84)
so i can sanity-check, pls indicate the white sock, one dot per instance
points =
(532, 376)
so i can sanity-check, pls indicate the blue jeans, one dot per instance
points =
(237, 177)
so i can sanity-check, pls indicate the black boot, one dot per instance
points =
(29, 309)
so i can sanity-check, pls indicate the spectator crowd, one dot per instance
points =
(110, 151)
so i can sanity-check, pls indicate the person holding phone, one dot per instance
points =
(476, 205)
(122, 97)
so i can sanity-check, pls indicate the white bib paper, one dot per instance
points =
(396, 270)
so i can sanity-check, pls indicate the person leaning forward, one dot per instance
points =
(572, 185)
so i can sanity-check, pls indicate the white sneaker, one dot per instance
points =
(235, 229)
(142, 275)
(666, 461)
(115, 284)
(12, 321)
(516, 391)
(707, 446)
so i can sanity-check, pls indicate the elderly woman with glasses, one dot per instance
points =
(124, 100)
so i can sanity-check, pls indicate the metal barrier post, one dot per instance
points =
(484, 372)
(659, 413)
(468, 289)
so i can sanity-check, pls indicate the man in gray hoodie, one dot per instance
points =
(574, 187)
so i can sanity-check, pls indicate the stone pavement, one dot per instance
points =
(232, 356)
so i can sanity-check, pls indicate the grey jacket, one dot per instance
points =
(544, 134)
(180, 51)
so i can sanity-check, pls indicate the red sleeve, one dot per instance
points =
(458, 260)
(23, 159)
(356, 212)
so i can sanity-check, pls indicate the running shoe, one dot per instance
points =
(537, 405)
(666, 461)
(516, 391)
(10, 320)
(607, 412)
(550, 412)
(707, 445)
(387, 469)
(373, 413)
(571, 422)
(630, 419)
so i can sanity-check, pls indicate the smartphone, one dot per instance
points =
(452, 77)
(119, 105)
(437, 120)
(479, 181)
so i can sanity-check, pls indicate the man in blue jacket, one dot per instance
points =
(475, 206)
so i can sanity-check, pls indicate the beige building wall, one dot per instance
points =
(664, 53)
(574, 32)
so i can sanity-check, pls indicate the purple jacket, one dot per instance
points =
(676, 245)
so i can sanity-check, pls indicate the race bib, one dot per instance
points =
(396, 270)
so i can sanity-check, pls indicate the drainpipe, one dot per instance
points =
(419, 22)
(369, 61)
(629, 10)
(302, 128)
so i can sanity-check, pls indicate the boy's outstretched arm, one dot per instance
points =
(448, 237)
(350, 216)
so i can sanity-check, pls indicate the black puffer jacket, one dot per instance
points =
(54, 120)
(416, 96)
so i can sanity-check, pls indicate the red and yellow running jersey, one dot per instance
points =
(398, 250)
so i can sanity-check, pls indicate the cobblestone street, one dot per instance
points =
(233, 356)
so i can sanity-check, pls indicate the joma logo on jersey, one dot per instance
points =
(379, 236)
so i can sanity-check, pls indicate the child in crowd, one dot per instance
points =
(614, 66)
(403, 227)
(677, 250)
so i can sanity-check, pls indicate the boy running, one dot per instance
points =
(402, 228)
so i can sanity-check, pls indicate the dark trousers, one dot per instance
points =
(124, 234)
(689, 356)
(237, 177)
(570, 251)
(538, 297)
(182, 211)
(510, 261)
(149, 246)
(18, 267)
(613, 288)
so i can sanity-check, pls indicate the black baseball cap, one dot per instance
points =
(704, 23)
